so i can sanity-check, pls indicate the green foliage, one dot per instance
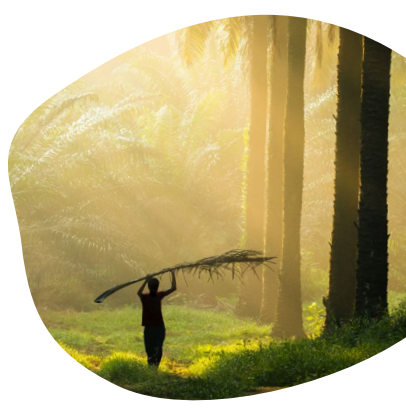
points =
(90, 362)
(314, 280)
(118, 177)
(314, 319)
(283, 363)
(288, 363)
(132, 372)
(124, 368)
(189, 331)
(210, 355)
(395, 300)
(372, 335)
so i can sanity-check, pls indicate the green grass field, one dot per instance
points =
(211, 354)
(188, 331)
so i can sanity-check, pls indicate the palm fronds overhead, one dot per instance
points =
(192, 41)
(213, 266)
(232, 33)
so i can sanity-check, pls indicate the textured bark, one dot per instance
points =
(343, 257)
(274, 194)
(289, 320)
(372, 264)
(249, 302)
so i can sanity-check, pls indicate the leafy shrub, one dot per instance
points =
(314, 319)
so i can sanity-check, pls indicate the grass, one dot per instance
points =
(395, 299)
(188, 331)
(212, 355)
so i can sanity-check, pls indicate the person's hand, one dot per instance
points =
(148, 277)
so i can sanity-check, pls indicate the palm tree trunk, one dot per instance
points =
(343, 258)
(273, 233)
(250, 292)
(289, 320)
(372, 265)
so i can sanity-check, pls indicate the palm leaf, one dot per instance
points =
(192, 41)
(230, 34)
(246, 259)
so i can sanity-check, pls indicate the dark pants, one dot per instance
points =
(154, 337)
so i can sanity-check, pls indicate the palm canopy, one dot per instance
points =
(230, 34)
(98, 168)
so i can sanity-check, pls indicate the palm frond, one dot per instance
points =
(213, 266)
(192, 41)
(230, 35)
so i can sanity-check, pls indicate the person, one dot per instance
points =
(152, 320)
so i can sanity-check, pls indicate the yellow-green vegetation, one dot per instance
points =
(211, 354)
(189, 331)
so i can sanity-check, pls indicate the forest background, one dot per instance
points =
(142, 164)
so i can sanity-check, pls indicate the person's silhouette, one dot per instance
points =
(152, 320)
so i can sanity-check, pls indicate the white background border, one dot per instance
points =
(47, 45)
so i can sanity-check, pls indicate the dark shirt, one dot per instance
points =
(151, 309)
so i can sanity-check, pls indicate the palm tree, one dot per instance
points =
(95, 171)
(341, 295)
(273, 228)
(289, 307)
(250, 35)
(318, 189)
(250, 295)
(372, 263)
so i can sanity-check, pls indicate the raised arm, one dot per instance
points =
(173, 287)
(140, 290)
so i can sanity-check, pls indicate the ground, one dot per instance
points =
(211, 355)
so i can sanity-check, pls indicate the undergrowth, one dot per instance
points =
(234, 357)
